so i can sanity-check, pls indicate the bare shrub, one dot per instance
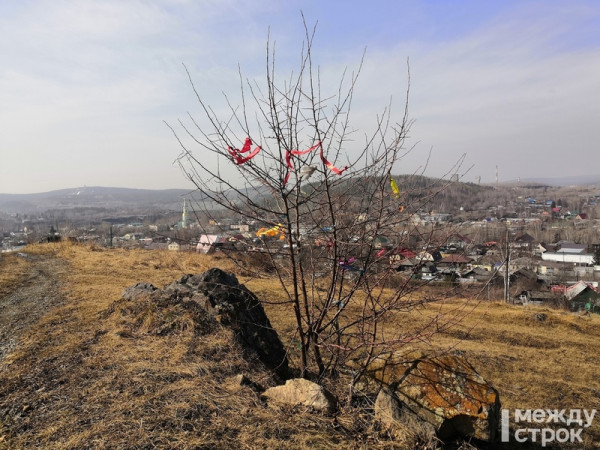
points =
(325, 194)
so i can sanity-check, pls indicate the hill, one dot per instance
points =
(80, 369)
(593, 180)
(170, 199)
(94, 197)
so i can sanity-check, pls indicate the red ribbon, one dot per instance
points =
(236, 154)
(288, 160)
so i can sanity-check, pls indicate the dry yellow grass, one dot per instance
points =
(92, 373)
(13, 271)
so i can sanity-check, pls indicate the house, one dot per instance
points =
(545, 247)
(206, 242)
(571, 248)
(401, 254)
(524, 277)
(522, 263)
(407, 265)
(549, 269)
(539, 298)
(524, 241)
(538, 249)
(487, 262)
(476, 275)
(493, 248)
(209, 243)
(455, 262)
(477, 250)
(568, 258)
(579, 294)
(436, 217)
(241, 227)
(173, 246)
(432, 256)
(457, 241)
(428, 272)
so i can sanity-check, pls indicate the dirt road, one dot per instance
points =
(28, 302)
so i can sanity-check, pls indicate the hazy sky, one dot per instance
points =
(85, 85)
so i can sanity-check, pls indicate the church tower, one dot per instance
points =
(184, 215)
(185, 220)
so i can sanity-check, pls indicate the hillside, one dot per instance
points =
(93, 197)
(80, 369)
(171, 199)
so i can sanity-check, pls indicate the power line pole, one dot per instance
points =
(506, 270)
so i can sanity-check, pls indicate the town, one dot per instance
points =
(525, 243)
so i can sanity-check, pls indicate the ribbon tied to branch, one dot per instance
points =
(239, 158)
(319, 145)
(237, 154)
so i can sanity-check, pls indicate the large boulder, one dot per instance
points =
(390, 412)
(404, 424)
(301, 392)
(231, 303)
(445, 391)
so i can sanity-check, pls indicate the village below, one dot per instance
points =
(155, 319)
(525, 242)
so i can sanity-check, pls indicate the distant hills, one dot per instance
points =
(94, 197)
(171, 199)
(565, 181)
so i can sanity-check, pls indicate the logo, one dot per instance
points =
(572, 424)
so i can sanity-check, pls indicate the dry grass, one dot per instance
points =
(13, 272)
(97, 372)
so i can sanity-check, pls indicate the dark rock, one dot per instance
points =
(242, 380)
(223, 297)
(234, 305)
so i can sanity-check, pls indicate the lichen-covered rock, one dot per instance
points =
(301, 392)
(391, 414)
(445, 391)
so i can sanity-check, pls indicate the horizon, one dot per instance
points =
(86, 86)
(592, 179)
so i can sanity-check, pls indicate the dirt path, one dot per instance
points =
(25, 305)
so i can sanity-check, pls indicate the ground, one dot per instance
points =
(79, 369)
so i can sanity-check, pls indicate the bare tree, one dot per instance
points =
(333, 219)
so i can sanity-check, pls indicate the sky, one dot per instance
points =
(86, 86)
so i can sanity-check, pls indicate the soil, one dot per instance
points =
(31, 300)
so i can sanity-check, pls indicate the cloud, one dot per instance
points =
(511, 93)
(86, 85)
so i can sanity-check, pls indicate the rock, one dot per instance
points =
(221, 294)
(231, 303)
(445, 391)
(387, 408)
(243, 380)
(133, 292)
(390, 413)
(301, 392)
(239, 381)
